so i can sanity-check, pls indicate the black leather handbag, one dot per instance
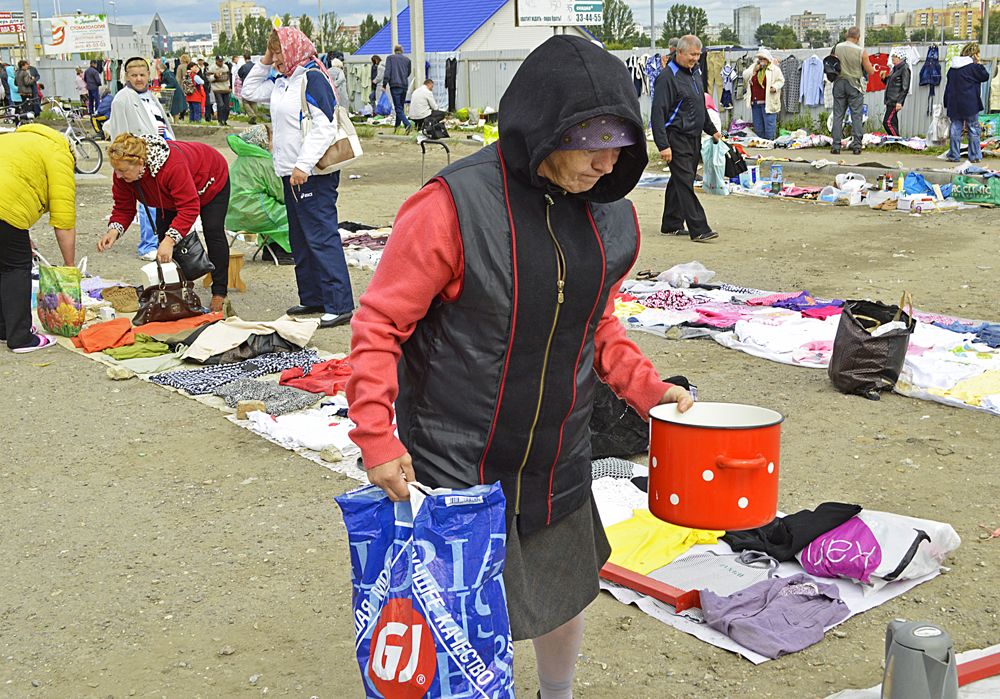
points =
(189, 253)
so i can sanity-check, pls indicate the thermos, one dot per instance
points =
(919, 662)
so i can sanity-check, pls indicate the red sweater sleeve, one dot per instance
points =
(124, 210)
(425, 238)
(622, 365)
(176, 182)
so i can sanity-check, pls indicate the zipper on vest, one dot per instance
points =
(560, 297)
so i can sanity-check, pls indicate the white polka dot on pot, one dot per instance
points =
(675, 499)
(654, 462)
(743, 503)
(770, 467)
(708, 474)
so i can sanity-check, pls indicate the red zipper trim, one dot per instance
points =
(576, 365)
(513, 318)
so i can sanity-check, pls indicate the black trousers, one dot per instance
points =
(681, 204)
(15, 286)
(891, 120)
(222, 106)
(213, 221)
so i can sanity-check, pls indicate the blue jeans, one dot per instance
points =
(955, 146)
(92, 100)
(195, 108)
(320, 267)
(398, 98)
(764, 125)
(148, 241)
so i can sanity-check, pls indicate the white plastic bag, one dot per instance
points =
(714, 157)
(683, 276)
(876, 548)
(850, 182)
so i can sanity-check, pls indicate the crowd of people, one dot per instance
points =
(167, 184)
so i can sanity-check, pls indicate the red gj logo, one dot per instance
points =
(403, 659)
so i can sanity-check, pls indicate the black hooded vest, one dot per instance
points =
(499, 384)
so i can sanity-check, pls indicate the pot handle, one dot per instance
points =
(745, 464)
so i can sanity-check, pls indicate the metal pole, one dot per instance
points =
(319, 18)
(986, 23)
(861, 20)
(29, 34)
(652, 26)
(393, 24)
(417, 40)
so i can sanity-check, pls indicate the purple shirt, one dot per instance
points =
(777, 616)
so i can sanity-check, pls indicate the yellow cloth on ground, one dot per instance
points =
(972, 390)
(627, 309)
(645, 543)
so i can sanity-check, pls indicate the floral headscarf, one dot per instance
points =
(257, 136)
(297, 50)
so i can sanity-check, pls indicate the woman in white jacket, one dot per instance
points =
(299, 81)
(764, 81)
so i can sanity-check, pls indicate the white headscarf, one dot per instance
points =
(764, 53)
(899, 52)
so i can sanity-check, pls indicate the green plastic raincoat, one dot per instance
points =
(257, 198)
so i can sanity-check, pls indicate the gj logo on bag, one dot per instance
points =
(430, 613)
(403, 659)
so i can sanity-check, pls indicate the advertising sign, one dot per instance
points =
(559, 13)
(13, 22)
(78, 34)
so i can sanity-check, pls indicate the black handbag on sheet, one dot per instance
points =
(189, 253)
(864, 361)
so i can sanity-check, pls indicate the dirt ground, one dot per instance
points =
(153, 549)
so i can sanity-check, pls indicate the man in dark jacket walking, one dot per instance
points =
(963, 100)
(897, 85)
(92, 79)
(27, 87)
(397, 78)
(679, 117)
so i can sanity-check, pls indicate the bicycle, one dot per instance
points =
(89, 156)
(15, 115)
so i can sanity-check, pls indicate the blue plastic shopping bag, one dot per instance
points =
(713, 156)
(430, 613)
(384, 105)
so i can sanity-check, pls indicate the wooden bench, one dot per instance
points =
(235, 267)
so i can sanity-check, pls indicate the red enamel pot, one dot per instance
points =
(714, 466)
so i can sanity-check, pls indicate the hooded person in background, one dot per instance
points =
(257, 199)
(764, 81)
(897, 86)
(963, 99)
(498, 286)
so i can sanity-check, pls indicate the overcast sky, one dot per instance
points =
(196, 15)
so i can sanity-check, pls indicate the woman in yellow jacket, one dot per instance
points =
(36, 175)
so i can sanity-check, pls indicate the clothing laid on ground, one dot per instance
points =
(776, 617)
(786, 536)
(645, 543)
(142, 348)
(201, 381)
(102, 336)
(317, 429)
(278, 400)
(723, 574)
(329, 377)
(234, 331)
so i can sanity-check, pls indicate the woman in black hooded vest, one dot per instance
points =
(490, 318)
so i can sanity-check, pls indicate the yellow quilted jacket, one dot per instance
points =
(36, 175)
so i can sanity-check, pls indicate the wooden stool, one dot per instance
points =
(235, 267)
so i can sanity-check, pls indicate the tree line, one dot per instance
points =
(329, 34)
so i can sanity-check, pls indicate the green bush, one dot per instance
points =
(801, 121)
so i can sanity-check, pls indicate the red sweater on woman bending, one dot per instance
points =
(190, 177)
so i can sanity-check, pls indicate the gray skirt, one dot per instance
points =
(551, 575)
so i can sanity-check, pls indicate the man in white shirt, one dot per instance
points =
(422, 103)
(137, 110)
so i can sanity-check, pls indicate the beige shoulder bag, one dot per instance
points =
(346, 147)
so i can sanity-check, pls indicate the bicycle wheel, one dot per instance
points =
(89, 156)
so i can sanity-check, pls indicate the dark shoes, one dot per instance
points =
(834, 151)
(304, 310)
(337, 320)
(704, 237)
(679, 231)
(856, 150)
